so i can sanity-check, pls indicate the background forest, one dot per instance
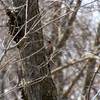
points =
(49, 49)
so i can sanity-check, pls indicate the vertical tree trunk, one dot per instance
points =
(91, 70)
(35, 65)
(89, 75)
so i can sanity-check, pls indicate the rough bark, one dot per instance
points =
(33, 66)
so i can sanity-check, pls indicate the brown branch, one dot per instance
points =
(66, 66)
(91, 82)
(70, 23)
(87, 57)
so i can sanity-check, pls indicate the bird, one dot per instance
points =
(49, 49)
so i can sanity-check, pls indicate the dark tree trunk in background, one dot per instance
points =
(34, 66)
(89, 75)
(91, 70)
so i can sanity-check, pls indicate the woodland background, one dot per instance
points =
(49, 50)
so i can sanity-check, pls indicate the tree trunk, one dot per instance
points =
(91, 70)
(35, 69)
